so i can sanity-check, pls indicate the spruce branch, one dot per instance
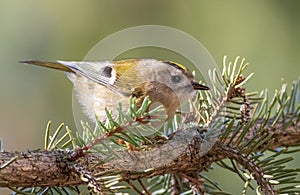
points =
(232, 123)
(33, 168)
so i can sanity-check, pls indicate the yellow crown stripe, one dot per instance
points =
(176, 65)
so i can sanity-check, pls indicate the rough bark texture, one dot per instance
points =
(52, 168)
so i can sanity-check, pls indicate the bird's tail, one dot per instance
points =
(54, 65)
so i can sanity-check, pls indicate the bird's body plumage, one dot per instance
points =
(101, 85)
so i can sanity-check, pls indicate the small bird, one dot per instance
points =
(101, 85)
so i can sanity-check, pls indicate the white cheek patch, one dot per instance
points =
(113, 77)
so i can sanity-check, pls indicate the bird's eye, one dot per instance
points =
(175, 79)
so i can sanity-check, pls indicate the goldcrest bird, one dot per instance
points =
(101, 85)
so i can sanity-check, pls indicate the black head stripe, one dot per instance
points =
(180, 67)
(176, 65)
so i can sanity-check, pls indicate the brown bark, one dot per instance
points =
(52, 168)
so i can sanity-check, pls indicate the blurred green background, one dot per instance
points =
(267, 33)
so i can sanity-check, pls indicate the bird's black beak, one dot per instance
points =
(198, 86)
